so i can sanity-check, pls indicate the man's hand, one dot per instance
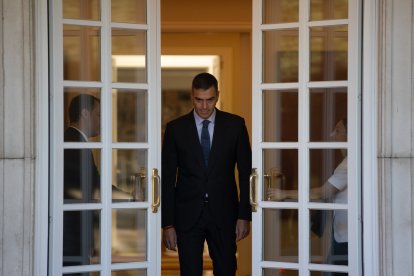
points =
(170, 238)
(274, 194)
(242, 229)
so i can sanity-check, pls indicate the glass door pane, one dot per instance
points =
(306, 115)
(82, 53)
(105, 180)
(280, 55)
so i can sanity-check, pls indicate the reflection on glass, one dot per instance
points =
(280, 56)
(82, 124)
(77, 99)
(329, 53)
(129, 11)
(280, 116)
(130, 115)
(81, 237)
(280, 173)
(129, 55)
(280, 11)
(329, 238)
(328, 9)
(280, 235)
(129, 167)
(129, 238)
(136, 272)
(81, 53)
(81, 9)
(279, 272)
(327, 273)
(328, 175)
(273, 184)
(81, 176)
(327, 107)
(329, 183)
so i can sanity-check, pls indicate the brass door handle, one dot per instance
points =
(267, 184)
(155, 190)
(253, 189)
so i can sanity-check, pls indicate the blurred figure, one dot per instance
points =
(81, 174)
(335, 189)
(81, 181)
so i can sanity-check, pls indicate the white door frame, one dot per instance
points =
(370, 192)
(369, 120)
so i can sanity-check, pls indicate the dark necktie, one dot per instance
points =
(205, 141)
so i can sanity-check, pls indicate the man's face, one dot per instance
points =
(95, 120)
(204, 101)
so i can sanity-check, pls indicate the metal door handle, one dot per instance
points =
(155, 190)
(253, 189)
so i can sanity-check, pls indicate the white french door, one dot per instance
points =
(305, 189)
(107, 223)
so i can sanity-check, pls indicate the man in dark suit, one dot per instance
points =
(200, 200)
(81, 181)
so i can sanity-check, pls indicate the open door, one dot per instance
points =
(105, 137)
(305, 189)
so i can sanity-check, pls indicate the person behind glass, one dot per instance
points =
(335, 190)
(81, 180)
(200, 201)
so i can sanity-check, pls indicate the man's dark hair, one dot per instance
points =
(204, 81)
(82, 101)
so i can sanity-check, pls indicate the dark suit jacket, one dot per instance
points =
(81, 179)
(185, 180)
(80, 171)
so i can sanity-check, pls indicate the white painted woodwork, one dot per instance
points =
(395, 137)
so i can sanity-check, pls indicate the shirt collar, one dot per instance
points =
(200, 120)
(81, 132)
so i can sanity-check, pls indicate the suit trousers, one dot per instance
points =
(221, 245)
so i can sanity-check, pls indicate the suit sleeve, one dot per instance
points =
(168, 177)
(244, 167)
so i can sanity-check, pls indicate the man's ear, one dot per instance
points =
(85, 113)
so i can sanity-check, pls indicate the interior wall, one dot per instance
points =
(212, 12)
(216, 28)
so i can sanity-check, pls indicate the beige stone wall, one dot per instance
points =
(16, 138)
(396, 137)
